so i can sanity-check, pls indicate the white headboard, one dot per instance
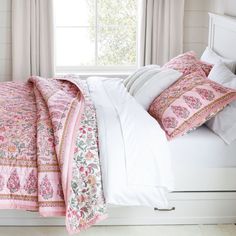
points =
(222, 35)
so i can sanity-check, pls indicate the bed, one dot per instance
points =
(209, 167)
(205, 186)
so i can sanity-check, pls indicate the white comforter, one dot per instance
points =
(134, 153)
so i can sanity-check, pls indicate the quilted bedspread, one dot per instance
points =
(49, 151)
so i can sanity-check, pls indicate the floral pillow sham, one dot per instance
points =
(188, 63)
(189, 103)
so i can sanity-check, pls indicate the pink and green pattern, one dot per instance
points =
(48, 151)
(189, 103)
(187, 63)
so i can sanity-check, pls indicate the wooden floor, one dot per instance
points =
(188, 230)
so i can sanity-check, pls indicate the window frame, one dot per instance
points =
(97, 69)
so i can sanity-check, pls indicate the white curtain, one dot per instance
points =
(161, 31)
(32, 39)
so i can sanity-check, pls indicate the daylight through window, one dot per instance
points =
(95, 35)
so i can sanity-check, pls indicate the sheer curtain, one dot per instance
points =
(32, 39)
(161, 30)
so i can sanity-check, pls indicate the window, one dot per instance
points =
(95, 35)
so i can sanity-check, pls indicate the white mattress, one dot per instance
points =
(202, 149)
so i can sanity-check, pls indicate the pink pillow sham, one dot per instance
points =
(189, 103)
(188, 63)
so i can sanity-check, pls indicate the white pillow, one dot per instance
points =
(128, 82)
(213, 58)
(224, 123)
(142, 79)
(155, 85)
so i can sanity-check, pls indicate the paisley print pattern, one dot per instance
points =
(192, 102)
(180, 112)
(170, 122)
(31, 184)
(17, 145)
(188, 63)
(49, 152)
(60, 191)
(46, 189)
(205, 94)
(1, 183)
(189, 103)
(219, 89)
(13, 183)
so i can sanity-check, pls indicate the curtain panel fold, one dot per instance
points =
(32, 39)
(160, 31)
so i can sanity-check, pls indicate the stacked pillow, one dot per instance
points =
(224, 123)
(179, 95)
(149, 82)
(188, 63)
(212, 57)
(136, 80)
(189, 103)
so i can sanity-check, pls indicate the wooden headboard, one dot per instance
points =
(222, 35)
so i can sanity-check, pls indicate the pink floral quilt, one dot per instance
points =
(49, 151)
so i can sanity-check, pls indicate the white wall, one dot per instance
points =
(196, 25)
(230, 7)
(227, 7)
(196, 21)
(5, 40)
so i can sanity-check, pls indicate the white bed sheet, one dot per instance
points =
(134, 152)
(202, 149)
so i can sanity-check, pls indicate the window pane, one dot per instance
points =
(74, 12)
(79, 43)
(75, 47)
(117, 45)
(117, 12)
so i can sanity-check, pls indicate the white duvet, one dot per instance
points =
(134, 153)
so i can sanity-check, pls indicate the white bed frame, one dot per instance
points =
(202, 196)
